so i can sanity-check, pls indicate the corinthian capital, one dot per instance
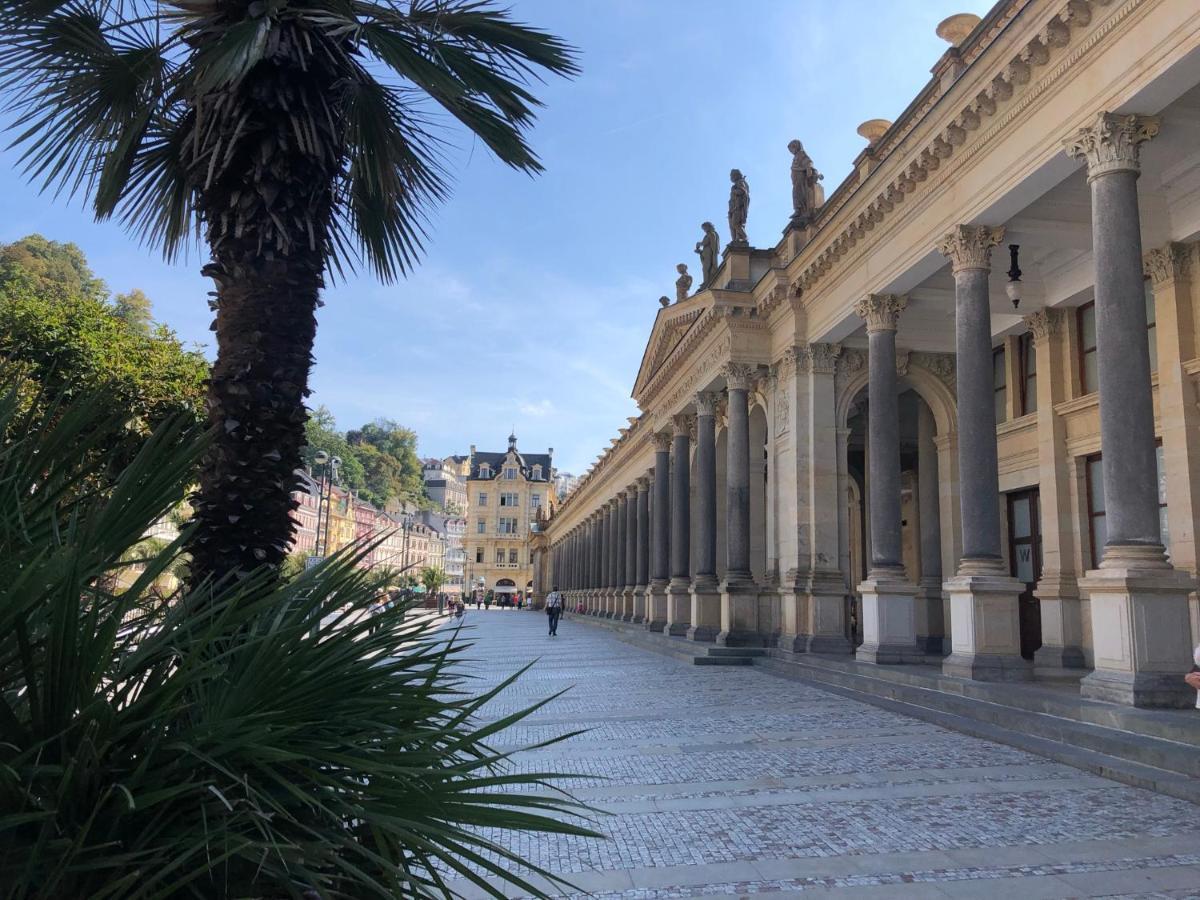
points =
(682, 423)
(1110, 144)
(823, 357)
(662, 441)
(970, 246)
(1044, 323)
(706, 403)
(881, 311)
(738, 376)
(1167, 264)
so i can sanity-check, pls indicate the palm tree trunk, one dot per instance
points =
(267, 204)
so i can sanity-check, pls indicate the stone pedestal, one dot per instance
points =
(826, 630)
(1062, 631)
(679, 607)
(706, 610)
(793, 612)
(985, 639)
(1140, 629)
(626, 604)
(889, 622)
(640, 595)
(739, 615)
(656, 606)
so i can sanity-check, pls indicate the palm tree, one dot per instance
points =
(293, 137)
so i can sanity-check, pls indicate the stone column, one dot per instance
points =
(1057, 588)
(660, 569)
(1172, 271)
(739, 593)
(614, 557)
(985, 629)
(889, 625)
(622, 507)
(605, 550)
(1139, 607)
(706, 595)
(630, 575)
(642, 574)
(679, 601)
(825, 584)
(929, 620)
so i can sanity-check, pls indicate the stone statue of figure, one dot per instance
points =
(739, 206)
(804, 184)
(664, 301)
(683, 284)
(709, 248)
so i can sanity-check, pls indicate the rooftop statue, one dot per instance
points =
(709, 248)
(804, 184)
(739, 206)
(683, 284)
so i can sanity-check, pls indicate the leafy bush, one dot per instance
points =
(258, 739)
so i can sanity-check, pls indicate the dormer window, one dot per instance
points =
(485, 471)
(510, 472)
(537, 473)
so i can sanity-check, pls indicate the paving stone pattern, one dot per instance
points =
(729, 781)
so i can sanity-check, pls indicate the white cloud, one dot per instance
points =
(536, 410)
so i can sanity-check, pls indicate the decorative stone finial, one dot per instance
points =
(664, 301)
(955, 29)
(970, 246)
(1110, 144)
(738, 376)
(706, 403)
(881, 311)
(683, 284)
(874, 129)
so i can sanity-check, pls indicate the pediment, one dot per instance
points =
(670, 326)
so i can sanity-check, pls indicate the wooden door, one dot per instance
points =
(1025, 562)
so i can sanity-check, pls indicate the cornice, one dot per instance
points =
(963, 134)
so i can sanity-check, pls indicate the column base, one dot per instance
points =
(739, 613)
(656, 606)
(639, 605)
(679, 607)
(1048, 657)
(1141, 630)
(706, 610)
(931, 626)
(985, 632)
(626, 604)
(889, 624)
(826, 631)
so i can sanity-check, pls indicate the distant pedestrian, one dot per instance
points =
(554, 608)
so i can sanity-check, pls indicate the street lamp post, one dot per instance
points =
(324, 501)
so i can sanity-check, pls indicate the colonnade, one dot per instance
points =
(630, 558)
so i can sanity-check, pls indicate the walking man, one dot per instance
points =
(554, 608)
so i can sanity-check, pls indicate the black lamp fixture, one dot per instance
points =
(1013, 288)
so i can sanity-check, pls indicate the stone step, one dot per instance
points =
(743, 652)
(1133, 757)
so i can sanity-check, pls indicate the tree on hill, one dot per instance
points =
(136, 309)
(379, 460)
(296, 137)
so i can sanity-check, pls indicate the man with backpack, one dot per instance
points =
(554, 608)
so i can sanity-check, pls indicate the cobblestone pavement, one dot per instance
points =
(729, 781)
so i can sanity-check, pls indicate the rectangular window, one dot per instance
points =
(510, 472)
(1028, 364)
(507, 525)
(535, 501)
(999, 384)
(499, 556)
(512, 556)
(1098, 532)
(480, 526)
(509, 500)
(482, 501)
(1086, 325)
(479, 554)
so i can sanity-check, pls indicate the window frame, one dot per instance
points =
(1027, 380)
(1083, 350)
(1001, 411)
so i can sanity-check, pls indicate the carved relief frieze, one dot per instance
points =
(940, 364)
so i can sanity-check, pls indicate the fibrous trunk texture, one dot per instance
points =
(266, 157)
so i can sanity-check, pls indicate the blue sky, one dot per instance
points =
(534, 302)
